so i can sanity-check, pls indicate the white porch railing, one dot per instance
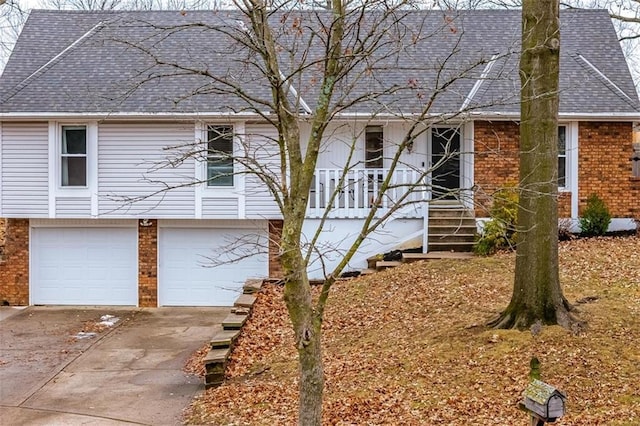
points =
(359, 190)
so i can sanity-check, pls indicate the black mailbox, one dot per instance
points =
(544, 401)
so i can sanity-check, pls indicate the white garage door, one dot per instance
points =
(186, 256)
(84, 266)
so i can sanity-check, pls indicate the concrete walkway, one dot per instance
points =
(129, 373)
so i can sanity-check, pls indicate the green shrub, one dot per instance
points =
(499, 232)
(596, 217)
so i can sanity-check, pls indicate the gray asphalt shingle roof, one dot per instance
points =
(106, 62)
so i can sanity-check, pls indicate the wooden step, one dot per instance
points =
(456, 246)
(384, 264)
(414, 257)
(450, 213)
(460, 237)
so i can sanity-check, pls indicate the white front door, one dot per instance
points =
(84, 266)
(208, 266)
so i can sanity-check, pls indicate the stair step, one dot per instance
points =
(224, 339)
(451, 213)
(457, 246)
(252, 286)
(234, 321)
(368, 271)
(435, 238)
(384, 264)
(371, 261)
(414, 257)
(245, 301)
(215, 356)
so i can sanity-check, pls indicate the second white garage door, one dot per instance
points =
(186, 277)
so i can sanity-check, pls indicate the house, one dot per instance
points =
(92, 111)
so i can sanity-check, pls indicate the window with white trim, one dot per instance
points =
(219, 155)
(562, 156)
(374, 147)
(73, 156)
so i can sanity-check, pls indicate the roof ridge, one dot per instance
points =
(27, 80)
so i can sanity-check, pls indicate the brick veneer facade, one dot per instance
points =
(275, 234)
(496, 146)
(604, 166)
(605, 151)
(14, 266)
(148, 263)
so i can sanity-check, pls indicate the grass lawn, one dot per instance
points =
(408, 347)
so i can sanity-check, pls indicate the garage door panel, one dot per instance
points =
(84, 266)
(186, 276)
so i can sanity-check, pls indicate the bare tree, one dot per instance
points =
(303, 71)
(12, 17)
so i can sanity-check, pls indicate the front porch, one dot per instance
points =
(352, 194)
(436, 223)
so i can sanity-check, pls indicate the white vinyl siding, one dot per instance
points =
(25, 177)
(73, 207)
(133, 165)
(336, 145)
(259, 201)
(219, 208)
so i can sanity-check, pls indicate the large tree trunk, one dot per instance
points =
(537, 296)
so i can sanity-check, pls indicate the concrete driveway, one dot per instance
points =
(128, 373)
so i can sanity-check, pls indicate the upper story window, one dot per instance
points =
(373, 145)
(635, 160)
(73, 156)
(220, 156)
(562, 156)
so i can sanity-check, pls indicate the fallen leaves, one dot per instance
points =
(407, 346)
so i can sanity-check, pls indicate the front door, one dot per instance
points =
(445, 161)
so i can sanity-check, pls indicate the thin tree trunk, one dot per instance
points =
(306, 323)
(537, 296)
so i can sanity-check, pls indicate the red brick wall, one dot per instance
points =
(496, 160)
(604, 165)
(14, 266)
(148, 264)
(275, 233)
(605, 150)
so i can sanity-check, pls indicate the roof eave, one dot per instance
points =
(573, 116)
(126, 115)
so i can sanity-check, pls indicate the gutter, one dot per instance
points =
(495, 115)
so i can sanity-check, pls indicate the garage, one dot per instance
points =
(208, 266)
(84, 266)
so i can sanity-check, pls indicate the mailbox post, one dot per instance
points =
(544, 402)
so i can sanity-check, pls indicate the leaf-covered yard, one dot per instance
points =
(408, 346)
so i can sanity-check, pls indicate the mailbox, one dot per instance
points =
(544, 401)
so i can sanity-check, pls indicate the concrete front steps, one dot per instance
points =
(221, 345)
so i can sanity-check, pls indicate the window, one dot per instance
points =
(373, 147)
(562, 156)
(74, 156)
(220, 156)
